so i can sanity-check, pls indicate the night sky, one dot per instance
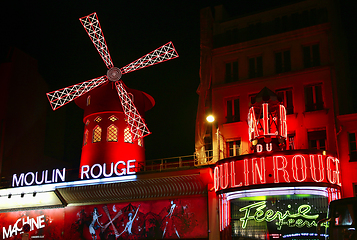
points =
(50, 32)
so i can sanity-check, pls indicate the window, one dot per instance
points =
(113, 118)
(252, 98)
(97, 134)
(291, 141)
(352, 145)
(233, 114)
(313, 98)
(98, 119)
(233, 148)
(311, 55)
(231, 72)
(286, 96)
(282, 61)
(317, 139)
(256, 67)
(112, 133)
(127, 135)
(85, 139)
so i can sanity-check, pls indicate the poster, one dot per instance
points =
(44, 224)
(160, 219)
(155, 219)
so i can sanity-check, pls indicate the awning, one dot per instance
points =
(139, 189)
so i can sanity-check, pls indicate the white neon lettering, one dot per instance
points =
(99, 172)
(32, 178)
(46, 177)
(61, 176)
(130, 166)
(42, 179)
(84, 171)
(105, 172)
(123, 170)
(18, 181)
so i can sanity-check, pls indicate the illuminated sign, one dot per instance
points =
(36, 178)
(258, 213)
(273, 169)
(120, 168)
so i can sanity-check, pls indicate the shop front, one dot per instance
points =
(275, 195)
(145, 205)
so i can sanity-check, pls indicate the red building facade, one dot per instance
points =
(297, 54)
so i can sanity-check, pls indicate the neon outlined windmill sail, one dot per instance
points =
(65, 95)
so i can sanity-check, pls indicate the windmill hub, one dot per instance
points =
(114, 74)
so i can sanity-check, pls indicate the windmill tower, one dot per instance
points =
(114, 125)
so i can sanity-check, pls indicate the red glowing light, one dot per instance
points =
(292, 169)
(136, 123)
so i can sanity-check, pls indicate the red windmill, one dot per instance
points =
(101, 105)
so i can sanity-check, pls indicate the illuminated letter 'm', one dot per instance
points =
(18, 181)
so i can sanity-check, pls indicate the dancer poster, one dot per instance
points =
(161, 219)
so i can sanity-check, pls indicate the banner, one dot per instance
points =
(161, 219)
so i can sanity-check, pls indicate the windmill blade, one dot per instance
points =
(136, 123)
(162, 54)
(92, 27)
(65, 95)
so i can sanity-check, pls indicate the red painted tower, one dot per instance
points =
(114, 125)
(107, 137)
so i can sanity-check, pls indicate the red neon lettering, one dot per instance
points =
(224, 175)
(283, 126)
(277, 169)
(295, 168)
(333, 176)
(216, 178)
(265, 118)
(258, 172)
(246, 173)
(252, 123)
(233, 176)
(320, 168)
